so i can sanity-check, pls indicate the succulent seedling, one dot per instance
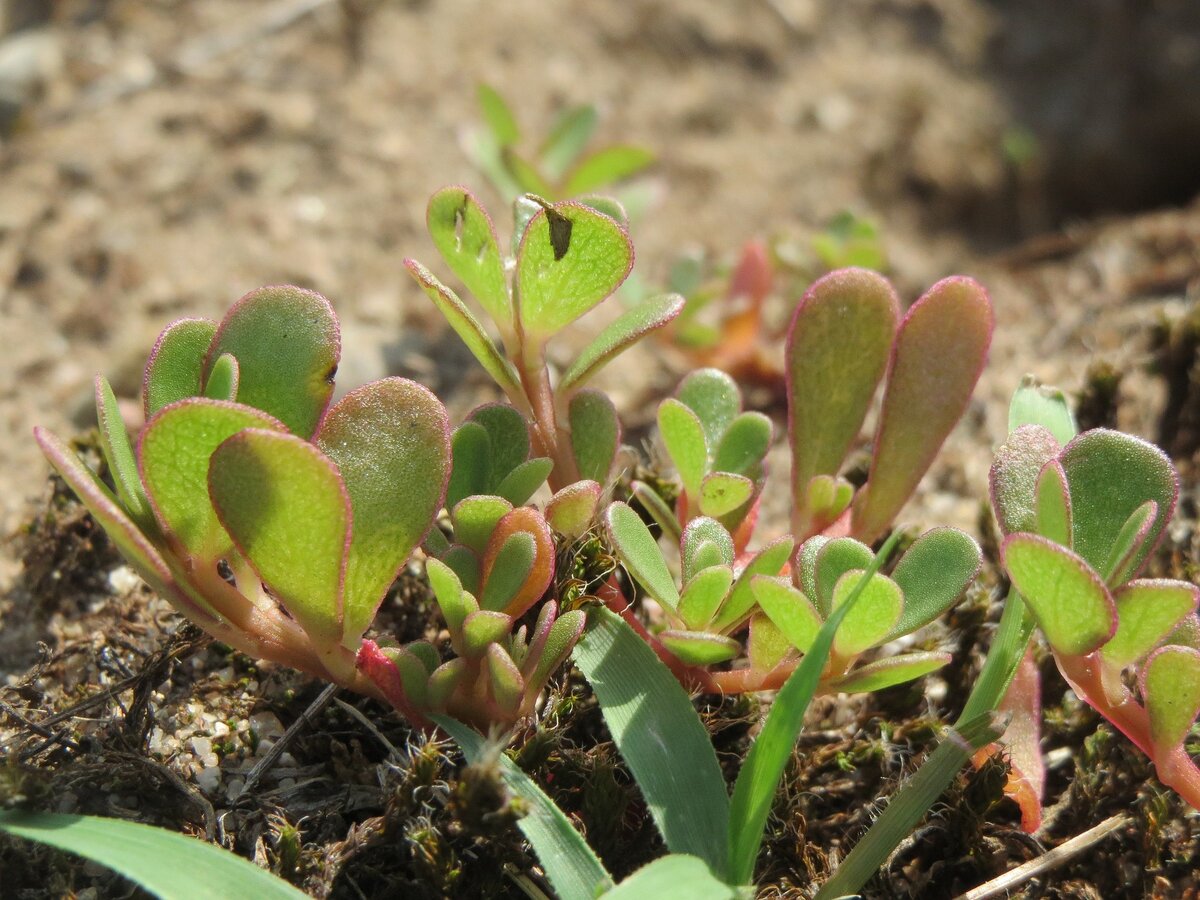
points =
(1081, 521)
(269, 518)
(845, 334)
(713, 600)
(562, 167)
(569, 257)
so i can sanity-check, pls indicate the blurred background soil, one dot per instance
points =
(160, 158)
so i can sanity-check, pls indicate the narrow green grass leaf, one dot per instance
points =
(389, 440)
(118, 454)
(677, 876)
(569, 863)
(467, 327)
(837, 350)
(571, 258)
(1147, 611)
(284, 503)
(640, 554)
(287, 344)
(759, 778)
(462, 231)
(939, 353)
(606, 167)
(595, 434)
(175, 369)
(1170, 684)
(173, 457)
(661, 738)
(933, 573)
(1111, 474)
(621, 334)
(171, 866)
(1073, 607)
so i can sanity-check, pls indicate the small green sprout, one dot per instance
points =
(716, 599)
(562, 168)
(270, 519)
(569, 257)
(1081, 522)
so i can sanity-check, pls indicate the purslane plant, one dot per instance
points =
(569, 257)
(1080, 523)
(273, 521)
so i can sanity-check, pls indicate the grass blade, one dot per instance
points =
(673, 877)
(570, 864)
(169, 865)
(661, 738)
(760, 774)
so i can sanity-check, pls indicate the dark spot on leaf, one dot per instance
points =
(560, 233)
(331, 374)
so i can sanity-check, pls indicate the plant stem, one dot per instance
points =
(548, 439)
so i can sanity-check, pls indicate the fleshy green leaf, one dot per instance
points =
(475, 519)
(722, 492)
(805, 568)
(1147, 611)
(567, 139)
(288, 511)
(834, 559)
(527, 521)
(522, 482)
(498, 115)
(507, 685)
(657, 508)
(118, 454)
(175, 369)
(1170, 685)
(1068, 598)
(1052, 501)
(223, 379)
(606, 167)
(683, 436)
(837, 351)
(1127, 547)
(705, 542)
(169, 865)
(173, 456)
(389, 441)
(640, 554)
(791, 611)
(715, 399)
(571, 258)
(1014, 476)
(767, 646)
(287, 345)
(702, 596)
(513, 563)
(482, 628)
(1111, 474)
(933, 573)
(609, 206)
(627, 330)
(768, 561)
(873, 618)
(885, 673)
(464, 562)
(508, 433)
(743, 446)
(463, 233)
(138, 551)
(448, 590)
(1034, 404)
(472, 468)
(939, 353)
(444, 681)
(699, 648)
(595, 434)
(572, 509)
(467, 327)
(660, 737)
(546, 656)
(572, 867)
